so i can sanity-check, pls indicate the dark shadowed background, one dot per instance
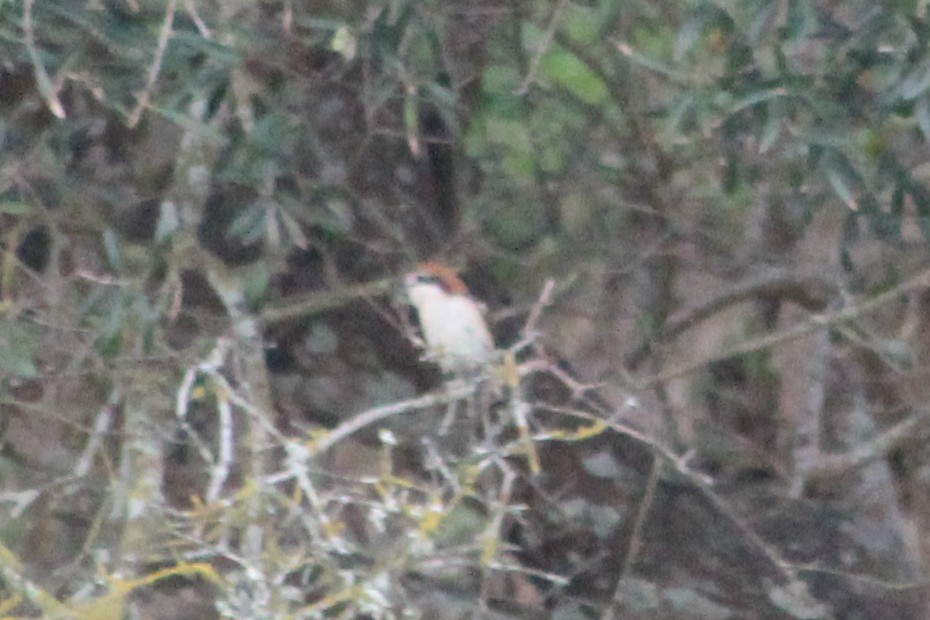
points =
(205, 207)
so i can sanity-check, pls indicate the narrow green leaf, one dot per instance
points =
(916, 81)
(801, 20)
(513, 133)
(922, 112)
(17, 349)
(681, 113)
(772, 127)
(294, 232)
(18, 365)
(109, 345)
(112, 249)
(842, 178)
(921, 198)
(168, 221)
(897, 201)
(756, 97)
(47, 89)
(650, 63)
(850, 234)
(781, 61)
(690, 33)
(562, 67)
(763, 13)
(841, 188)
(15, 207)
(411, 121)
(249, 225)
(256, 284)
(581, 24)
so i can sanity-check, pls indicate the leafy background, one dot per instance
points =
(204, 207)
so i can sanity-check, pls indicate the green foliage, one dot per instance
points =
(193, 163)
(18, 345)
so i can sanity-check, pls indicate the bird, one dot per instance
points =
(454, 331)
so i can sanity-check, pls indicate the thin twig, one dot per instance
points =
(494, 534)
(542, 48)
(636, 540)
(220, 467)
(814, 323)
(834, 465)
(354, 424)
(544, 300)
(97, 435)
(700, 482)
(809, 291)
(142, 99)
(195, 17)
(636, 535)
(321, 301)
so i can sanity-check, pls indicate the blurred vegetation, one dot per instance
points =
(204, 205)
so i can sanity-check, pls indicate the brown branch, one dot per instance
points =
(814, 323)
(645, 506)
(321, 301)
(636, 536)
(810, 291)
(832, 466)
(142, 99)
(700, 482)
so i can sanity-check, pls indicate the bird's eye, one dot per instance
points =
(427, 278)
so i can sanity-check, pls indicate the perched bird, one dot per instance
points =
(455, 333)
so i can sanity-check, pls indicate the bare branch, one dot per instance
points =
(544, 300)
(542, 48)
(318, 302)
(835, 465)
(451, 393)
(814, 323)
(142, 99)
(810, 291)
